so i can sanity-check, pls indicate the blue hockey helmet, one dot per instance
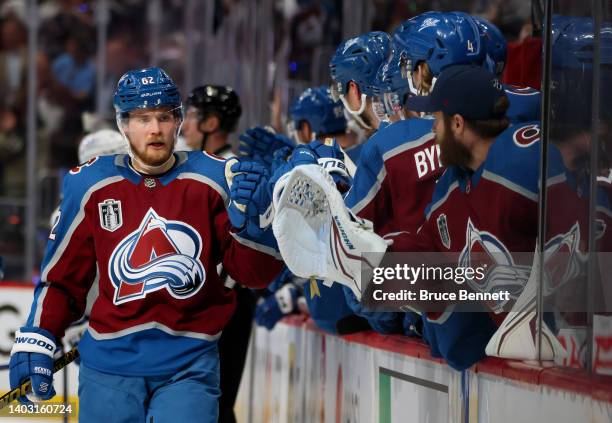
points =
(358, 59)
(495, 45)
(315, 106)
(573, 55)
(144, 89)
(573, 42)
(440, 40)
(391, 89)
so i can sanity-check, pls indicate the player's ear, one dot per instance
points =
(457, 123)
(352, 86)
(210, 124)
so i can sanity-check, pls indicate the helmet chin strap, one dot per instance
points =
(356, 114)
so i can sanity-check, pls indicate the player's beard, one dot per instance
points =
(452, 152)
(154, 157)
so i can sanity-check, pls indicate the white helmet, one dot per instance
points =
(101, 143)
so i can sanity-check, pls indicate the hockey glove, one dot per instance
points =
(260, 143)
(251, 205)
(331, 158)
(301, 155)
(276, 306)
(317, 235)
(32, 358)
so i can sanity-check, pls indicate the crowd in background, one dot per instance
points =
(66, 59)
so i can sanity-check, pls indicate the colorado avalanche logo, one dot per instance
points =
(160, 254)
(563, 260)
(526, 135)
(483, 249)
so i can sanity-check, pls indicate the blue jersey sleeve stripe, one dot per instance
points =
(510, 185)
(554, 180)
(434, 205)
(39, 297)
(408, 145)
(360, 205)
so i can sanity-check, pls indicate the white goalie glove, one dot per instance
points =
(316, 233)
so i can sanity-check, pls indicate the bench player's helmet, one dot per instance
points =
(439, 40)
(358, 59)
(315, 106)
(495, 46)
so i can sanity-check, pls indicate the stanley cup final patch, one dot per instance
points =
(110, 215)
(443, 230)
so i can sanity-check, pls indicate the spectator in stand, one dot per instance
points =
(72, 87)
(13, 61)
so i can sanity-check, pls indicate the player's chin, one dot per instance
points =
(157, 157)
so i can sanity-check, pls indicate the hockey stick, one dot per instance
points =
(24, 388)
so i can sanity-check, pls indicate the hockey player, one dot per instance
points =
(151, 227)
(314, 115)
(212, 114)
(410, 140)
(400, 163)
(571, 230)
(483, 155)
(353, 71)
(524, 101)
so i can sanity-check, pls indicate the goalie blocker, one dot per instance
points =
(318, 237)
